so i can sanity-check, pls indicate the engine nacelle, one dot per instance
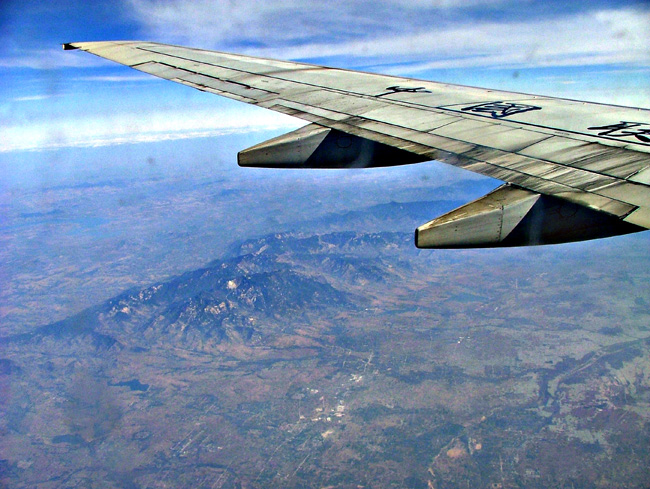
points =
(512, 216)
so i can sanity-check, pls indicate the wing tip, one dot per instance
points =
(68, 46)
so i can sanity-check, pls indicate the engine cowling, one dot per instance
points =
(512, 216)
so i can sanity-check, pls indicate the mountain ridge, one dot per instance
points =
(263, 280)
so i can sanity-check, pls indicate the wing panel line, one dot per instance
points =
(401, 102)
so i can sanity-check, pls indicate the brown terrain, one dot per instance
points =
(325, 352)
(342, 360)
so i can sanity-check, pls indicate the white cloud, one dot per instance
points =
(32, 98)
(139, 128)
(48, 59)
(448, 4)
(618, 37)
(400, 30)
(259, 23)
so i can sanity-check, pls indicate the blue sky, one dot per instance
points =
(51, 99)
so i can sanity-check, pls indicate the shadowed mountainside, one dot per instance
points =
(269, 280)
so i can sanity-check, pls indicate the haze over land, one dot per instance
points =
(325, 351)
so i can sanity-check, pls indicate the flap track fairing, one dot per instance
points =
(315, 146)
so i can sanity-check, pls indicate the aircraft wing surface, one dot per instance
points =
(575, 170)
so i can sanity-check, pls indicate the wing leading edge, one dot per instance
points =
(574, 170)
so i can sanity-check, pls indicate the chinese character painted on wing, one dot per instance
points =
(640, 130)
(500, 109)
(392, 90)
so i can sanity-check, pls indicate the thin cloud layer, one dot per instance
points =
(424, 34)
(256, 24)
(95, 131)
(49, 59)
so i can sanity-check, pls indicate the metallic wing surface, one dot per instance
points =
(573, 170)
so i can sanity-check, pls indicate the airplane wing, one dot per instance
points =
(573, 170)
